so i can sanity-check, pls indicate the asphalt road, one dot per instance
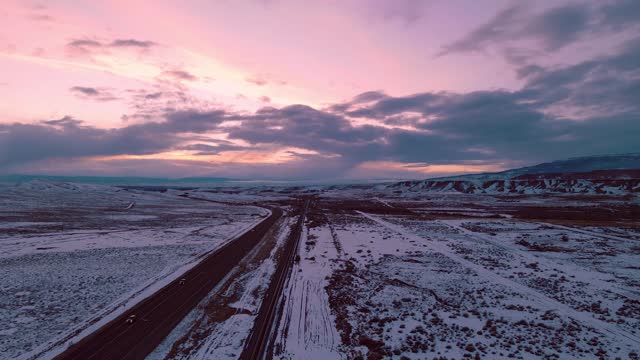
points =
(157, 315)
(260, 342)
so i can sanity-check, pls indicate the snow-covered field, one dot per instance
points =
(73, 256)
(307, 329)
(375, 285)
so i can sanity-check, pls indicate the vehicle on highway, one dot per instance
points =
(182, 281)
(131, 319)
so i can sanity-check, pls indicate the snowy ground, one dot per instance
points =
(470, 283)
(307, 329)
(379, 275)
(73, 256)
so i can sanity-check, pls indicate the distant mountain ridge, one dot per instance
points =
(603, 174)
(583, 164)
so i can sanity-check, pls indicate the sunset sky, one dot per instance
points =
(294, 89)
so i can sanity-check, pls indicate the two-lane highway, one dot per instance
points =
(157, 315)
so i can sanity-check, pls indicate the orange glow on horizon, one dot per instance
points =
(278, 156)
(432, 169)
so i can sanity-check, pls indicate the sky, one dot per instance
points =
(315, 89)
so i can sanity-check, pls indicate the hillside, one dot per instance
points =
(608, 174)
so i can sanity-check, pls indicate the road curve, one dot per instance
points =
(157, 315)
(259, 345)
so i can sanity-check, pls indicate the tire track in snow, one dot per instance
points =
(307, 329)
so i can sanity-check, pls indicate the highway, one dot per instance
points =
(157, 315)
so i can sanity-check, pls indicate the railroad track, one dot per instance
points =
(260, 342)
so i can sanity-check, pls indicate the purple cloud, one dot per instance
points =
(180, 75)
(91, 93)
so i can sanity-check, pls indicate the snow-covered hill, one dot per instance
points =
(610, 174)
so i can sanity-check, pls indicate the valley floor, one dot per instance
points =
(440, 276)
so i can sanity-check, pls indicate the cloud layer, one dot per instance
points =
(552, 28)
(586, 108)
